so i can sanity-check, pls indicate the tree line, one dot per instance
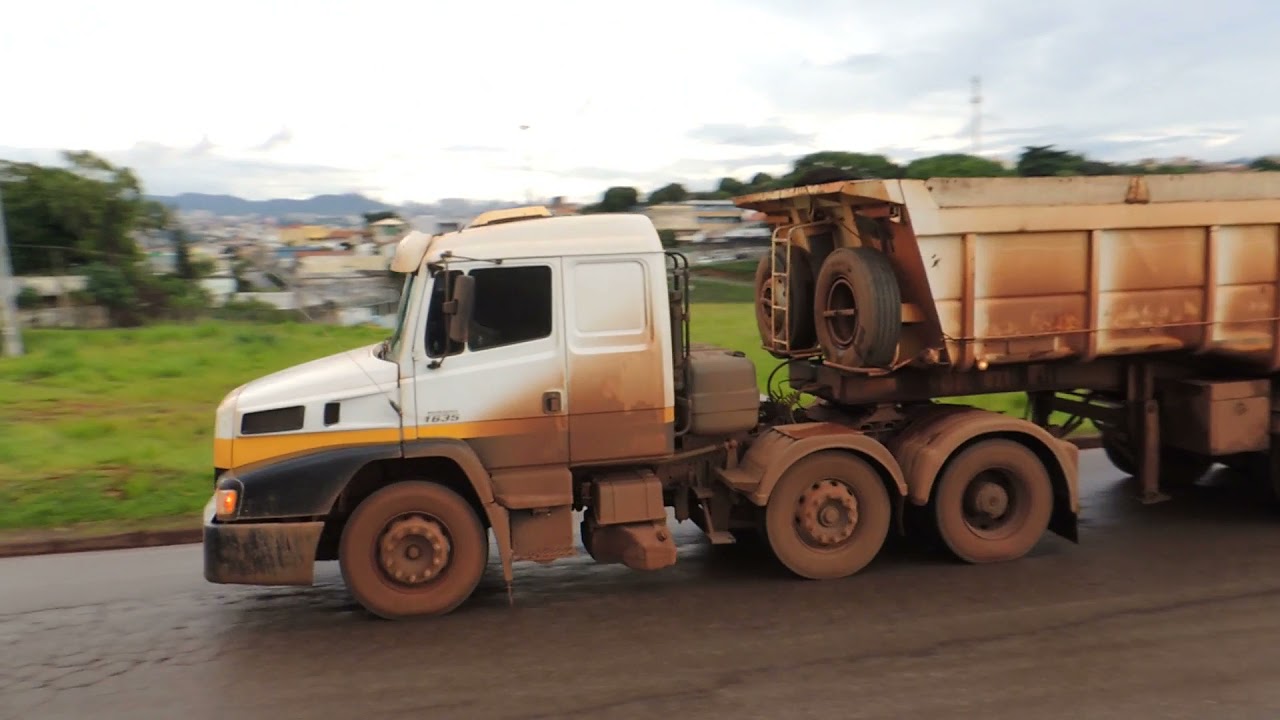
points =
(832, 165)
(84, 218)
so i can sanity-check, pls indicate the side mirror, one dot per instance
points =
(461, 302)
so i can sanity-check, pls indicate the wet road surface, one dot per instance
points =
(1164, 611)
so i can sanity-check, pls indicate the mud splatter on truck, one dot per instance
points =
(542, 366)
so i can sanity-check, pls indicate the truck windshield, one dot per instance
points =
(393, 342)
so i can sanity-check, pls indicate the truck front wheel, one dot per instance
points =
(828, 516)
(413, 548)
(993, 501)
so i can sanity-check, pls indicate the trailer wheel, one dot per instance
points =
(858, 308)
(993, 501)
(799, 289)
(1178, 468)
(828, 516)
(413, 548)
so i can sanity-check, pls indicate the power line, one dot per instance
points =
(8, 295)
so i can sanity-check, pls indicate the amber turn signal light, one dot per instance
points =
(225, 502)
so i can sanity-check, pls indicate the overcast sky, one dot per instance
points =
(417, 100)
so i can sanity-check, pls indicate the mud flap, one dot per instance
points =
(1063, 522)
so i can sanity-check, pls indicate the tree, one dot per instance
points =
(731, 186)
(110, 286)
(668, 238)
(85, 211)
(1266, 164)
(954, 165)
(182, 255)
(1045, 161)
(672, 192)
(378, 216)
(618, 199)
(761, 182)
(852, 166)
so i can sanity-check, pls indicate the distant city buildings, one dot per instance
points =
(702, 220)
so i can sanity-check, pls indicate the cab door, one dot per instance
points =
(503, 393)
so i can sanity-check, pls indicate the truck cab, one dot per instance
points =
(525, 345)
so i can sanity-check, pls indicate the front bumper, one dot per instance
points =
(262, 553)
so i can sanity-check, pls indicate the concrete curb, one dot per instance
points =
(188, 536)
(118, 541)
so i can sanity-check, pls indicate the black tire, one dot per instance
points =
(1015, 490)
(800, 300)
(860, 283)
(1117, 451)
(1178, 468)
(797, 504)
(425, 511)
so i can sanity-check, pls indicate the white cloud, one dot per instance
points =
(415, 101)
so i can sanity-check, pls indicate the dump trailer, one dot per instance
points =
(541, 386)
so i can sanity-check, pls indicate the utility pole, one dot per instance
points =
(8, 295)
(976, 101)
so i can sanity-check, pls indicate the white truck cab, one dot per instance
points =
(525, 343)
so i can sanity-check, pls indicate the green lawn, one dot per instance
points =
(114, 427)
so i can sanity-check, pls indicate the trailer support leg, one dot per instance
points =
(1142, 398)
(1149, 465)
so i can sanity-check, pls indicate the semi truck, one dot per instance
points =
(541, 391)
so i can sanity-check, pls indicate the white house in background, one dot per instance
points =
(312, 265)
(220, 289)
(389, 230)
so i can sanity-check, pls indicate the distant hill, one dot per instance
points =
(327, 205)
(324, 206)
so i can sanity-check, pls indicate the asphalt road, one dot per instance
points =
(1169, 611)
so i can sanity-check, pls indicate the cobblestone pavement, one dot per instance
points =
(1163, 611)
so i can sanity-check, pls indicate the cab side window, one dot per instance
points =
(512, 305)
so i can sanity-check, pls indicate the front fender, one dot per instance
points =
(304, 485)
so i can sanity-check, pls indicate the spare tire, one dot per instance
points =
(799, 296)
(858, 308)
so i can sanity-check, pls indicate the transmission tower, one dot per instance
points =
(976, 101)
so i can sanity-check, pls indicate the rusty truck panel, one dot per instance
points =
(999, 271)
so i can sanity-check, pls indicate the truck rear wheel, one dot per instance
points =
(828, 516)
(413, 548)
(799, 287)
(993, 501)
(858, 308)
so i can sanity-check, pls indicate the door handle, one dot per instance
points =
(551, 402)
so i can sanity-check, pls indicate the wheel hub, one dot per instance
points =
(827, 513)
(414, 550)
(990, 499)
(841, 312)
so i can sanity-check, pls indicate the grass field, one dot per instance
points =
(114, 427)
